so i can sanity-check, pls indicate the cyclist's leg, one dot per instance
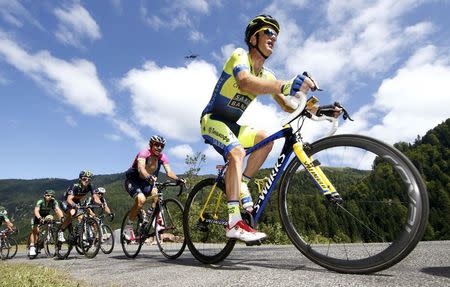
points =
(222, 136)
(34, 230)
(250, 137)
(139, 201)
(154, 192)
(138, 189)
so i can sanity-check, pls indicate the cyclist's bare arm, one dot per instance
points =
(251, 84)
(142, 170)
(169, 172)
(36, 212)
(97, 200)
(70, 200)
(281, 101)
(9, 225)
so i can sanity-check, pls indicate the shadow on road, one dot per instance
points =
(437, 271)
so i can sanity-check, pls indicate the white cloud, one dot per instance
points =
(75, 23)
(364, 39)
(130, 131)
(181, 151)
(225, 53)
(13, 12)
(113, 137)
(178, 14)
(197, 36)
(75, 83)
(413, 101)
(70, 121)
(169, 100)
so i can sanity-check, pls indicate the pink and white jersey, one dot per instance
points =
(146, 154)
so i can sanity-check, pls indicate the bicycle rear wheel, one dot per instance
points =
(169, 229)
(383, 214)
(90, 237)
(130, 236)
(107, 245)
(205, 236)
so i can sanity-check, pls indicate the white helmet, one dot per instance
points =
(101, 190)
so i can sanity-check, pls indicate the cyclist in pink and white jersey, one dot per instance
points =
(144, 172)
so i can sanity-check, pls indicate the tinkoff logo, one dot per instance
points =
(213, 131)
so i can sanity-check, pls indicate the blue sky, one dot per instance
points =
(84, 84)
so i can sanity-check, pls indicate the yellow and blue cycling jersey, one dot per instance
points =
(228, 103)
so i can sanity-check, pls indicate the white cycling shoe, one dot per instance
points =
(241, 231)
(61, 237)
(32, 251)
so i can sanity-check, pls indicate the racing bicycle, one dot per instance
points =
(82, 232)
(46, 237)
(8, 245)
(164, 224)
(350, 203)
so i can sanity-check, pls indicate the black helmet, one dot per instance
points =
(257, 23)
(157, 139)
(85, 173)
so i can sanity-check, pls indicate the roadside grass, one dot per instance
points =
(20, 274)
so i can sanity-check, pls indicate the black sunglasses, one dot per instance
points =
(268, 32)
(160, 145)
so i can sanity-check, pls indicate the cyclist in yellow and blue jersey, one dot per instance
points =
(243, 79)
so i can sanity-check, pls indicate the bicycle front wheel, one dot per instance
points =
(90, 237)
(130, 236)
(50, 242)
(204, 220)
(107, 245)
(169, 229)
(383, 214)
(12, 246)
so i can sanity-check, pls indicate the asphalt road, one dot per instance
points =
(427, 265)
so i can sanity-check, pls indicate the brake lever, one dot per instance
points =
(345, 115)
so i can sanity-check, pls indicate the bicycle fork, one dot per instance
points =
(314, 170)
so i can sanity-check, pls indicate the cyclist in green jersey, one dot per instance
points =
(4, 218)
(43, 208)
(243, 78)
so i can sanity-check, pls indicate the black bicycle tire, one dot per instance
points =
(207, 259)
(396, 251)
(93, 222)
(13, 246)
(183, 245)
(4, 252)
(50, 230)
(104, 250)
(122, 240)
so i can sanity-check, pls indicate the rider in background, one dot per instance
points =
(74, 194)
(98, 198)
(243, 78)
(42, 209)
(144, 172)
(4, 218)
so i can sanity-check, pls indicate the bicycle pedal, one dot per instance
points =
(254, 243)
